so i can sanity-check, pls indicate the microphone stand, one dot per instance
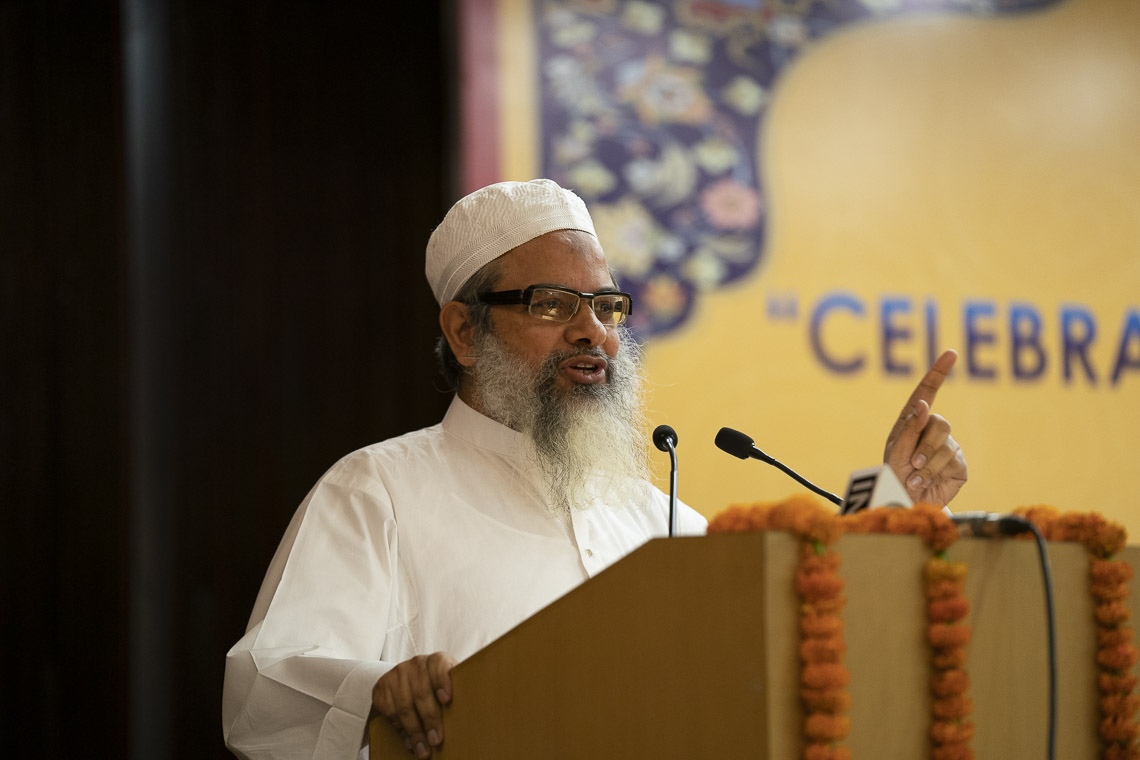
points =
(758, 454)
(672, 487)
(665, 439)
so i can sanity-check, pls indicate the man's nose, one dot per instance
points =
(584, 328)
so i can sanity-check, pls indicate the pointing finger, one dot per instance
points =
(928, 387)
(926, 390)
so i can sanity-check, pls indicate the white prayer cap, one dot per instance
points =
(489, 222)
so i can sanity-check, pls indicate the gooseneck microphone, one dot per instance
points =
(741, 446)
(665, 439)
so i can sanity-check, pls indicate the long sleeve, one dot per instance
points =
(348, 596)
(299, 683)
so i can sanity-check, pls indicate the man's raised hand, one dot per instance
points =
(920, 450)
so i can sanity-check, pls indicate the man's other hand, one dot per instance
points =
(927, 460)
(411, 696)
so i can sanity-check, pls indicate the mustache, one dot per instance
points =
(549, 369)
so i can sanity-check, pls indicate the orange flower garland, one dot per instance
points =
(946, 610)
(951, 729)
(1116, 654)
(823, 677)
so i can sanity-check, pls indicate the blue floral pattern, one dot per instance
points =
(650, 111)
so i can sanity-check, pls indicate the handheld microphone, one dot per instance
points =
(874, 487)
(665, 439)
(741, 446)
(879, 487)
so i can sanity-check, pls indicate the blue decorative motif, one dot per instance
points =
(650, 111)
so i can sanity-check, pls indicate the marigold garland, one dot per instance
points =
(947, 632)
(823, 676)
(1108, 586)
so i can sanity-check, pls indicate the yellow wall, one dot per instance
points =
(942, 159)
(936, 164)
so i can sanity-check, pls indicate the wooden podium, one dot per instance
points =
(687, 648)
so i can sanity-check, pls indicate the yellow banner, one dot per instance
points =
(921, 180)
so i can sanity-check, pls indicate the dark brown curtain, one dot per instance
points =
(212, 223)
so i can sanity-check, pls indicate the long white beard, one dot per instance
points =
(586, 442)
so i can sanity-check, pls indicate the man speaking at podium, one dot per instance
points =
(413, 553)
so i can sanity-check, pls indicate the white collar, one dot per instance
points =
(480, 430)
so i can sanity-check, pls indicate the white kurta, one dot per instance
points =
(436, 540)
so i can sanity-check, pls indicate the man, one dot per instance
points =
(414, 553)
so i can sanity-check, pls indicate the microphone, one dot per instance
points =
(665, 439)
(880, 487)
(874, 487)
(989, 524)
(741, 446)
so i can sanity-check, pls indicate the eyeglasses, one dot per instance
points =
(559, 304)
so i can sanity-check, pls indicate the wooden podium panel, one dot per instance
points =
(688, 648)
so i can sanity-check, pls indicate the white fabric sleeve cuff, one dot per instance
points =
(343, 733)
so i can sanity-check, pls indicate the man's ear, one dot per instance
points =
(459, 330)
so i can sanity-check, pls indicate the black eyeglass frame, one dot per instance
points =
(524, 297)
